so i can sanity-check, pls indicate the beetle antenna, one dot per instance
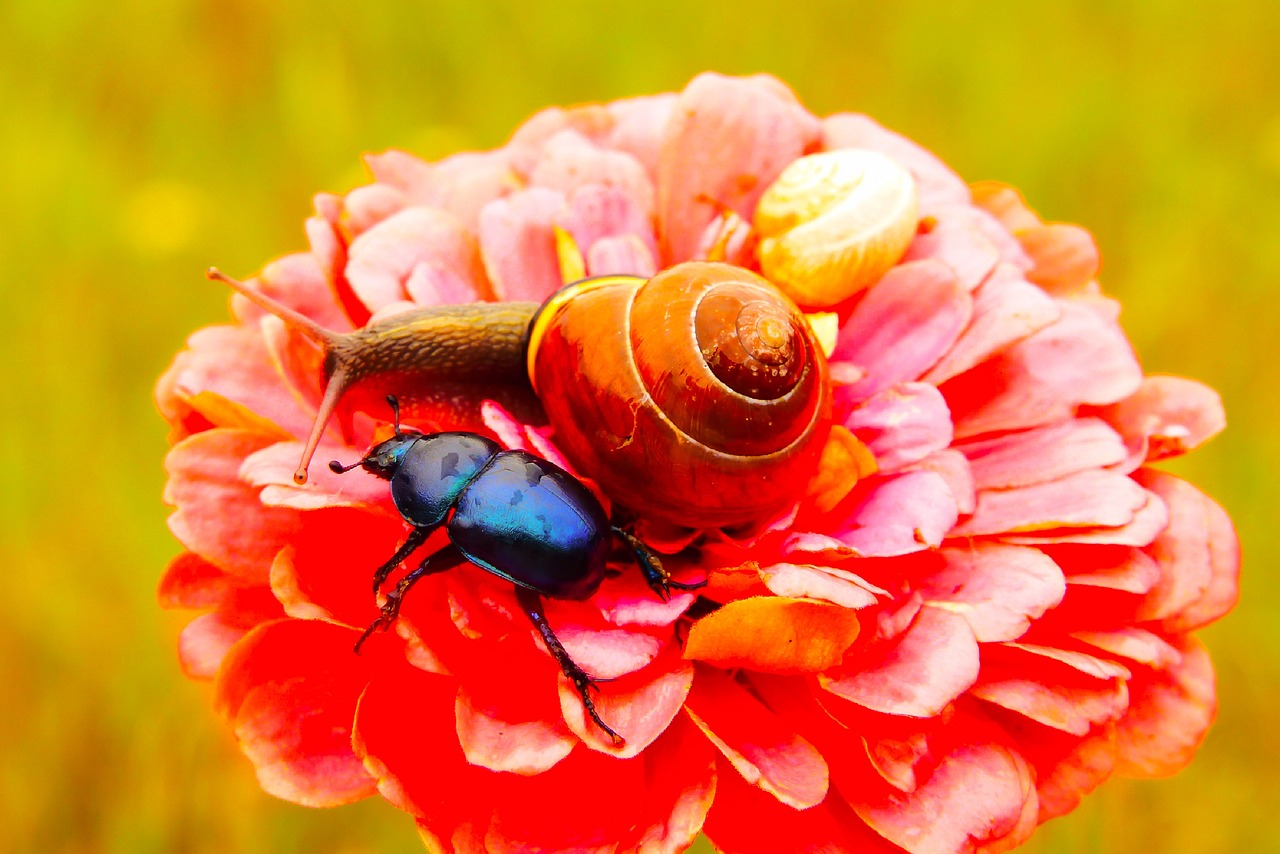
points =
(338, 468)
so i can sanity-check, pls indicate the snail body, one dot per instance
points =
(699, 396)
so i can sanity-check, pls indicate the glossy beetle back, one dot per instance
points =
(434, 471)
(700, 396)
(535, 524)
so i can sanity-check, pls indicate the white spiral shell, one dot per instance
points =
(834, 223)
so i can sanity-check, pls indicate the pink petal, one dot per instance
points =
(1043, 454)
(1080, 359)
(901, 327)
(1135, 644)
(205, 642)
(627, 255)
(980, 797)
(826, 584)
(272, 470)
(384, 258)
(517, 242)
(1166, 417)
(936, 184)
(639, 707)
(1169, 713)
(998, 589)
(1050, 693)
(950, 465)
(290, 690)
(569, 162)
(916, 674)
(1086, 499)
(727, 140)
(896, 515)
(627, 600)
(369, 205)
(639, 124)
(1066, 257)
(960, 246)
(1116, 568)
(1006, 309)
(597, 211)
(232, 363)
(758, 744)
(1198, 555)
(299, 282)
(219, 517)
(902, 424)
(461, 184)
(1149, 520)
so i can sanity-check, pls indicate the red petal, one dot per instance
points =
(903, 325)
(745, 820)
(1169, 713)
(192, 582)
(1087, 499)
(902, 424)
(504, 732)
(916, 674)
(205, 642)
(1198, 555)
(680, 773)
(518, 244)
(998, 589)
(1043, 453)
(290, 690)
(763, 749)
(727, 140)
(219, 517)
(1068, 768)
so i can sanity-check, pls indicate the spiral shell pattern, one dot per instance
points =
(833, 223)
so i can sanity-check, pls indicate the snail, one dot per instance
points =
(833, 223)
(699, 396)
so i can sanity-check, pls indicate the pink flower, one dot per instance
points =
(982, 606)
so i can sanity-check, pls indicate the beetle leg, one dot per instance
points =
(417, 537)
(531, 603)
(659, 579)
(445, 559)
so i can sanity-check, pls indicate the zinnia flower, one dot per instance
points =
(981, 608)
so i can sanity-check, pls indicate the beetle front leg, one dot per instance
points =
(531, 604)
(416, 538)
(654, 573)
(442, 561)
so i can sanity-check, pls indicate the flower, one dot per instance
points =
(982, 607)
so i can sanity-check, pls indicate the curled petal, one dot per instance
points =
(518, 244)
(385, 258)
(1169, 713)
(1087, 499)
(1043, 453)
(902, 425)
(915, 675)
(1065, 257)
(897, 515)
(998, 589)
(1166, 417)
(680, 772)
(639, 707)
(289, 689)
(504, 732)
(762, 748)
(727, 140)
(962, 247)
(774, 634)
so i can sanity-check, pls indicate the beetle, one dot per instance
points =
(515, 515)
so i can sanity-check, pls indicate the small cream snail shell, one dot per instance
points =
(834, 223)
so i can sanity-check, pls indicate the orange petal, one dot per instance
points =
(774, 634)
(845, 461)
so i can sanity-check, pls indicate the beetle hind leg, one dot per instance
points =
(654, 573)
(531, 604)
(416, 538)
(442, 561)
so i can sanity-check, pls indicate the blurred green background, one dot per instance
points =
(142, 141)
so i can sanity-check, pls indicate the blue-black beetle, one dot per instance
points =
(516, 515)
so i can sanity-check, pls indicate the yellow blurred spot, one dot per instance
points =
(572, 266)
(160, 218)
(1269, 147)
(826, 327)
